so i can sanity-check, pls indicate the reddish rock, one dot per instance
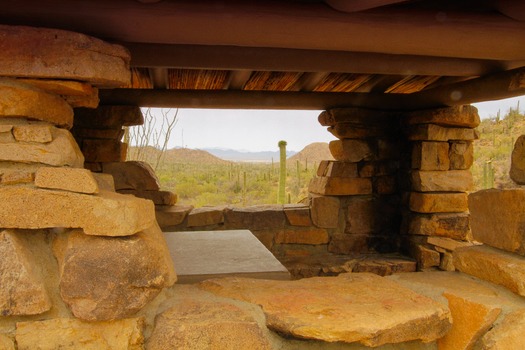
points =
(324, 211)
(442, 181)
(103, 150)
(340, 186)
(458, 116)
(206, 216)
(333, 168)
(432, 132)
(108, 117)
(461, 155)
(298, 214)
(171, 215)
(430, 156)
(422, 202)
(456, 225)
(351, 150)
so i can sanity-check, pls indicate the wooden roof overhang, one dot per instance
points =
(387, 54)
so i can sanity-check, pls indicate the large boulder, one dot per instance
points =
(517, 165)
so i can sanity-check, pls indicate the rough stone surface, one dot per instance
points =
(158, 197)
(14, 177)
(438, 202)
(340, 186)
(206, 325)
(85, 133)
(455, 225)
(384, 185)
(444, 181)
(257, 217)
(135, 269)
(507, 335)
(40, 133)
(465, 116)
(324, 211)
(352, 131)
(62, 151)
(517, 165)
(103, 150)
(432, 132)
(63, 55)
(349, 308)
(431, 156)
(22, 291)
(357, 116)
(19, 100)
(492, 265)
(351, 150)
(206, 216)
(108, 117)
(67, 179)
(132, 175)
(334, 168)
(168, 215)
(349, 244)
(302, 236)
(498, 218)
(369, 169)
(104, 181)
(6, 343)
(426, 257)
(447, 243)
(105, 214)
(298, 214)
(461, 155)
(72, 334)
(361, 216)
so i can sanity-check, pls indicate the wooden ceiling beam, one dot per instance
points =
(282, 24)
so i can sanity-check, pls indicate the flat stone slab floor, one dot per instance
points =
(200, 255)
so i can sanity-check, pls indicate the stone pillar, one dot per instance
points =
(362, 179)
(436, 166)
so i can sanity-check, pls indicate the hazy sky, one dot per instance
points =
(261, 130)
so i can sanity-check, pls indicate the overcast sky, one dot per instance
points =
(261, 130)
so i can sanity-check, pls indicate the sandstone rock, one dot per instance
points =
(103, 150)
(94, 167)
(333, 168)
(206, 216)
(62, 151)
(445, 181)
(387, 149)
(498, 218)
(430, 156)
(158, 197)
(425, 257)
(349, 308)
(61, 87)
(358, 117)
(18, 100)
(517, 165)
(302, 236)
(135, 270)
(340, 186)
(455, 225)
(470, 321)
(71, 334)
(324, 211)
(6, 343)
(206, 325)
(84, 133)
(257, 217)
(40, 133)
(14, 177)
(108, 117)
(369, 169)
(104, 181)
(352, 131)
(447, 262)
(351, 150)
(508, 335)
(348, 244)
(461, 155)
(105, 214)
(62, 55)
(266, 237)
(23, 291)
(432, 132)
(89, 101)
(168, 215)
(384, 185)
(447, 243)
(132, 175)
(493, 265)
(67, 179)
(458, 116)
(361, 216)
(298, 214)
(438, 202)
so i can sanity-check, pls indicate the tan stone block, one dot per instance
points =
(6, 136)
(302, 236)
(349, 244)
(6, 343)
(132, 175)
(361, 216)
(206, 216)
(425, 256)
(324, 211)
(67, 179)
(102, 150)
(72, 334)
(62, 151)
(517, 165)
(62, 55)
(438, 202)
(108, 117)
(447, 262)
(105, 214)
(23, 291)
(135, 270)
(447, 243)
(456, 225)
(470, 321)
(432, 132)
(61, 87)
(358, 117)
(430, 156)
(351, 150)
(40, 133)
(18, 100)
(498, 218)
(458, 116)
(293, 308)
(461, 155)
(14, 177)
(257, 217)
(298, 214)
(492, 265)
(352, 131)
(104, 181)
(507, 335)
(331, 168)
(89, 101)
(266, 237)
(442, 181)
(158, 197)
(168, 215)
(340, 186)
(199, 324)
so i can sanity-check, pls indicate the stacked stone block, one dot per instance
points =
(437, 160)
(362, 180)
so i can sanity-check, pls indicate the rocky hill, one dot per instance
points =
(314, 152)
(192, 156)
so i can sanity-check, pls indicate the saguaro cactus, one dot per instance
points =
(282, 172)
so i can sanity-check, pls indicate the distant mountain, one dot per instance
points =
(192, 156)
(246, 156)
(314, 152)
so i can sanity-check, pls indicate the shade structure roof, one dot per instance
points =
(301, 54)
